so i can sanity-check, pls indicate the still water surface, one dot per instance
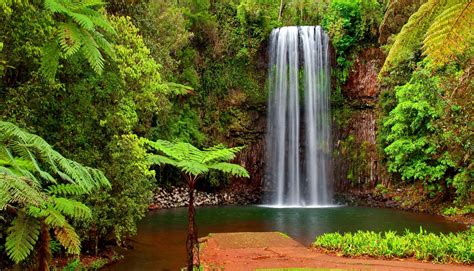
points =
(160, 243)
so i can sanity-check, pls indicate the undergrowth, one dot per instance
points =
(452, 247)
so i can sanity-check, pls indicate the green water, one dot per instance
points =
(160, 244)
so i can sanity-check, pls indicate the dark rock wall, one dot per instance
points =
(357, 164)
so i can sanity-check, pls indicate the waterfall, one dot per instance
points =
(298, 169)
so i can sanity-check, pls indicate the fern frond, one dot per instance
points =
(34, 148)
(52, 217)
(72, 208)
(220, 153)
(18, 190)
(233, 169)
(104, 44)
(69, 39)
(31, 158)
(78, 33)
(192, 167)
(451, 33)
(22, 236)
(411, 35)
(90, 50)
(55, 6)
(19, 167)
(50, 60)
(83, 20)
(169, 149)
(99, 20)
(161, 160)
(67, 236)
(66, 189)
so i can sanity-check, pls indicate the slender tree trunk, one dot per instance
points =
(192, 245)
(44, 252)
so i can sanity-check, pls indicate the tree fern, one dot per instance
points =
(77, 33)
(35, 182)
(33, 148)
(194, 163)
(451, 33)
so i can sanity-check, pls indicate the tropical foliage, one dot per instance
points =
(426, 114)
(452, 247)
(39, 186)
(77, 32)
(102, 81)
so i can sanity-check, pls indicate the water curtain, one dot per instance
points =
(299, 127)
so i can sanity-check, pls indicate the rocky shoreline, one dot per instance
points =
(177, 196)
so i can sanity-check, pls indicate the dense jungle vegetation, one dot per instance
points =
(84, 85)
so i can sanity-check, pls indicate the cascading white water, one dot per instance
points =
(298, 136)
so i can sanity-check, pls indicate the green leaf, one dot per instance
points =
(72, 208)
(233, 169)
(193, 161)
(22, 236)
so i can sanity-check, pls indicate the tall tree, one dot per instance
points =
(194, 163)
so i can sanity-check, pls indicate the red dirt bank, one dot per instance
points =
(254, 250)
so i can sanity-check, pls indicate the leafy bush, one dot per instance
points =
(410, 150)
(118, 212)
(424, 137)
(452, 247)
(350, 24)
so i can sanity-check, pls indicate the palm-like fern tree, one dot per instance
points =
(194, 163)
(77, 31)
(443, 27)
(37, 185)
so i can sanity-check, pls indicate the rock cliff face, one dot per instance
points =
(361, 88)
(356, 161)
(250, 133)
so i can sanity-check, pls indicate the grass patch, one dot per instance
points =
(284, 234)
(452, 247)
